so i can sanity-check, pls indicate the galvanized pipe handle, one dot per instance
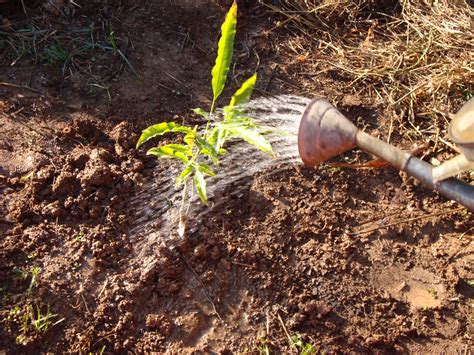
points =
(453, 189)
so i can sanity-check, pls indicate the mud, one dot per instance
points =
(289, 255)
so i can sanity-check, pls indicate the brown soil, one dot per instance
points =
(301, 252)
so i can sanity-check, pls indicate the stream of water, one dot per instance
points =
(158, 201)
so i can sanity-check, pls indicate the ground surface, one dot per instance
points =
(299, 253)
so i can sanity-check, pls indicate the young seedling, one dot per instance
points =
(35, 271)
(202, 149)
(303, 348)
(40, 323)
(23, 274)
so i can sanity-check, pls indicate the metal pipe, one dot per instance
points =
(324, 133)
(453, 189)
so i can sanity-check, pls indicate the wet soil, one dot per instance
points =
(362, 260)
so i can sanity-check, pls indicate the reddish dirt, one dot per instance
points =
(299, 252)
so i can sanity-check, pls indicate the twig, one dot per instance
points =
(85, 303)
(452, 146)
(2, 83)
(408, 220)
(103, 288)
(268, 322)
(284, 328)
(242, 264)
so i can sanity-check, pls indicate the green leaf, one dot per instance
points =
(179, 148)
(238, 121)
(225, 50)
(184, 174)
(217, 137)
(201, 113)
(242, 96)
(205, 169)
(253, 137)
(167, 152)
(213, 134)
(160, 129)
(190, 137)
(207, 149)
(200, 184)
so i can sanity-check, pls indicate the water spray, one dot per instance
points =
(324, 133)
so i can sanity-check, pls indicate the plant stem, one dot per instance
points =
(182, 215)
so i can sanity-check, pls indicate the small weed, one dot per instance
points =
(433, 292)
(80, 238)
(262, 346)
(27, 176)
(245, 350)
(55, 56)
(76, 266)
(32, 255)
(23, 274)
(204, 148)
(303, 348)
(34, 321)
(334, 169)
(35, 271)
(42, 322)
(470, 283)
(20, 274)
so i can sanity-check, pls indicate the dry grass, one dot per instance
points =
(413, 56)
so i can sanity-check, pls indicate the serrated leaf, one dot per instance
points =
(205, 169)
(242, 96)
(201, 112)
(253, 137)
(160, 129)
(184, 174)
(167, 152)
(225, 50)
(200, 184)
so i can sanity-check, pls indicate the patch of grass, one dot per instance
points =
(86, 51)
(79, 238)
(23, 274)
(33, 321)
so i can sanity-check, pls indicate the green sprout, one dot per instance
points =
(36, 321)
(202, 149)
(303, 348)
(432, 291)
